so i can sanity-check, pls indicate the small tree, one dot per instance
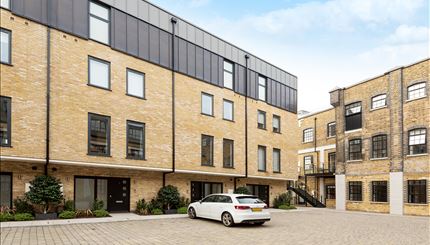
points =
(242, 190)
(45, 190)
(168, 196)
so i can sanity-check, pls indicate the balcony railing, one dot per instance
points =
(318, 170)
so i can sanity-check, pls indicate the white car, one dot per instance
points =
(230, 209)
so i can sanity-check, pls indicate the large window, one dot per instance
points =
(379, 146)
(417, 191)
(276, 158)
(228, 110)
(262, 85)
(207, 150)
(99, 73)
(308, 163)
(355, 191)
(353, 116)
(228, 74)
(354, 150)
(87, 190)
(331, 129)
(99, 22)
(135, 140)
(5, 4)
(5, 46)
(261, 119)
(276, 124)
(201, 189)
(417, 91)
(261, 158)
(135, 83)
(6, 189)
(98, 135)
(330, 192)
(417, 141)
(332, 162)
(228, 153)
(308, 135)
(379, 101)
(207, 104)
(5, 121)
(379, 191)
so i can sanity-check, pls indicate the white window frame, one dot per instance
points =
(379, 101)
(206, 95)
(8, 33)
(225, 116)
(140, 74)
(262, 86)
(100, 19)
(306, 137)
(417, 91)
(225, 70)
(104, 62)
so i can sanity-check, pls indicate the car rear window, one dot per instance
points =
(248, 199)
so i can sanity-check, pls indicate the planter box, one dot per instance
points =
(46, 216)
(170, 211)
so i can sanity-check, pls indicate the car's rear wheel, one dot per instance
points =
(259, 223)
(227, 219)
(192, 213)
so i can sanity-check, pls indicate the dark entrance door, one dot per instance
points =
(261, 191)
(201, 189)
(118, 194)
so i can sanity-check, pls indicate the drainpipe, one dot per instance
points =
(402, 147)
(173, 21)
(48, 96)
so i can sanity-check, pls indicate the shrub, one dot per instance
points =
(184, 202)
(84, 213)
(242, 190)
(22, 206)
(6, 217)
(69, 205)
(153, 204)
(182, 210)
(67, 215)
(23, 216)
(286, 207)
(156, 211)
(282, 199)
(142, 207)
(101, 213)
(168, 196)
(44, 190)
(97, 205)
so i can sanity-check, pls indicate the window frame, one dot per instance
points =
(416, 84)
(328, 129)
(211, 156)
(232, 110)
(384, 147)
(108, 134)
(90, 15)
(304, 135)
(263, 86)
(375, 197)
(278, 131)
(350, 116)
(424, 146)
(89, 72)
(144, 83)
(212, 104)
(357, 195)
(8, 120)
(360, 152)
(373, 101)
(9, 33)
(411, 196)
(265, 158)
(329, 195)
(232, 153)
(311, 163)
(331, 165)
(232, 74)
(273, 162)
(137, 124)
(264, 127)
(9, 5)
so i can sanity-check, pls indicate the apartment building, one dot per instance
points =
(118, 98)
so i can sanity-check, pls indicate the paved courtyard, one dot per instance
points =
(304, 226)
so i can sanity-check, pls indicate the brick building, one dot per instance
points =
(118, 99)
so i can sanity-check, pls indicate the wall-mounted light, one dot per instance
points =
(34, 168)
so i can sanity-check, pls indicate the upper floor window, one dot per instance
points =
(135, 140)
(135, 83)
(308, 162)
(5, 121)
(276, 124)
(207, 150)
(207, 104)
(417, 141)
(99, 22)
(228, 109)
(332, 162)
(354, 150)
(276, 160)
(228, 149)
(417, 91)
(5, 4)
(379, 101)
(98, 135)
(261, 119)
(331, 129)
(353, 116)
(379, 146)
(228, 74)
(99, 73)
(308, 135)
(355, 191)
(262, 84)
(261, 158)
(379, 191)
(417, 191)
(5, 46)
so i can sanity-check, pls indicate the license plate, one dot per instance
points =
(256, 209)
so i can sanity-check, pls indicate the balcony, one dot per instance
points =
(313, 170)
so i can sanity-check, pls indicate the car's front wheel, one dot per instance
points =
(192, 213)
(227, 219)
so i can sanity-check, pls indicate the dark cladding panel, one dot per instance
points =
(154, 44)
(165, 44)
(283, 96)
(17, 7)
(191, 59)
(119, 30)
(278, 94)
(294, 109)
(236, 78)
(80, 17)
(214, 69)
(199, 62)
(65, 15)
(132, 36)
(252, 85)
(182, 56)
(36, 10)
(240, 79)
(176, 53)
(221, 71)
(207, 65)
(143, 40)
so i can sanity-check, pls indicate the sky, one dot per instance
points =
(326, 44)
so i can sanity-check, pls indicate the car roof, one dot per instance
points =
(232, 195)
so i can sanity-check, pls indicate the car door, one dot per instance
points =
(206, 206)
(222, 204)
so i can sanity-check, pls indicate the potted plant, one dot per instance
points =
(45, 191)
(168, 196)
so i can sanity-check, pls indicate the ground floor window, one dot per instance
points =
(201, 189)
(6, 189)
(417, 191)
(261, 191)
(330, 192)
(379, 191)
(355, 191)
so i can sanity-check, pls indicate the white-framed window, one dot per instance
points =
(417, 91)
(5, 46)
(276, 158)
(207, 104)
(99, 73)
(5, 4)
(417, 141)
(308, 162)
(379, 101)
(228, 110)
(276, 124)
(261, 119)
(135, 83)
(228, 74)
(308, 135)
(261, 158)
(262, 85)
(331, 129)
(99, 22)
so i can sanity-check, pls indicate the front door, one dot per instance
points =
(118, 195)
(261, 191)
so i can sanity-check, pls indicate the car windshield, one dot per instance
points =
(248, 199)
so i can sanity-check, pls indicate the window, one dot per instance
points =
(224, 199)
(228, 74)
(355, 149)
(5, 4)
(99, 73)
(207, 104)
(5, 121)
(355, 191)
(379, 146)
(276, 160)
(308, 135)
(417, 91)
(5, 46)
(261, 119)
(417, 141)
(379, 191)
(87, 190)
(331, 129)
(261, 158)
(207, 150)
(379, 101)
(228, 153)
(228, 110)
(201, 189)
(135, 83)
(99, 22)
(308, 162)
(98, 135)
(332, 162)
(135, 140)
(6, 189)
(353, 116)
(262, 84)
(417, 191)
(330, 192)
(276, 124)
